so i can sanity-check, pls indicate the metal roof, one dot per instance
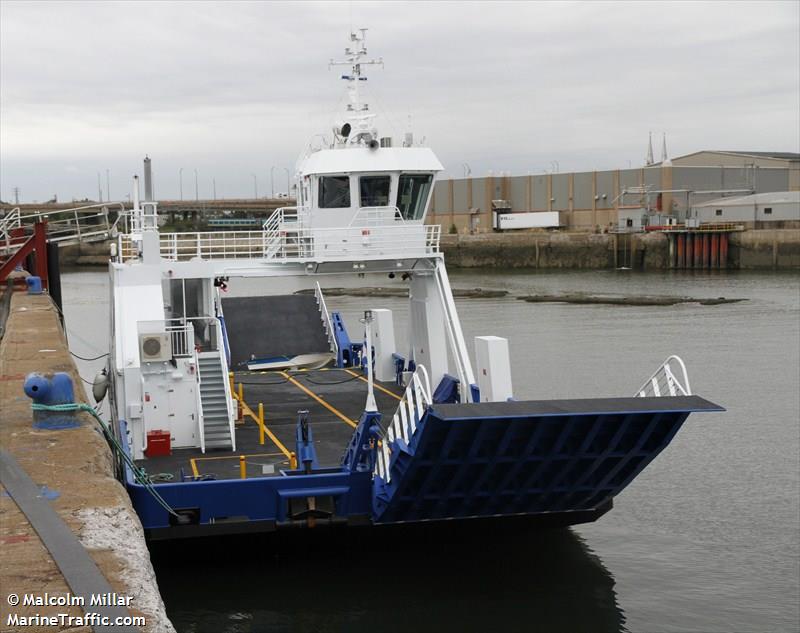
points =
(773, 197)
(781, 155)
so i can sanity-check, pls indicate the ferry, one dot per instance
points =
(263, 413)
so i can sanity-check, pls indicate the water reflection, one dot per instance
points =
(492, 578)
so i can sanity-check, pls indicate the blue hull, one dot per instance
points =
(563, 458)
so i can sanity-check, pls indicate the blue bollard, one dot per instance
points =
(34, 285)
(57, 389)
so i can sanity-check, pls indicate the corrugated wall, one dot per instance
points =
(574, 194)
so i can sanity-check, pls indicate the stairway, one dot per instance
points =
(217, 431)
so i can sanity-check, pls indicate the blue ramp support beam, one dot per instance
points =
(503, 458)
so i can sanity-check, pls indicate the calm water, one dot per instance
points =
(706, 539)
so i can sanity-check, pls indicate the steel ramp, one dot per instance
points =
(273, 327)
(510, 458)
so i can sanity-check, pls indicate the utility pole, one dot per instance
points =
(99, 188)
(288, 182)
(255, 186)
(214, 187)
(108, 187)
(16, 196)
(180, 181)
(196, 191)
(272, 181)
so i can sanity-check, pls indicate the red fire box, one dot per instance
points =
(158, 443)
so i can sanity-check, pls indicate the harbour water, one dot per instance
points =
(706, 539)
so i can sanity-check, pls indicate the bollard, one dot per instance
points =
(34, 285)
(54, 390)
(230, 379)
(242, 467)
(261, 423)
(293, 460)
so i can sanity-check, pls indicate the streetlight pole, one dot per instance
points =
(288, 182)
(99, 188)
(255, 186)
(108, 187)
(196, 191)
(214, 186)
(272, 181)
(180, 181)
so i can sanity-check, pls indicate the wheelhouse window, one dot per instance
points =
(375, 190)
(412, 195)
(334, 192)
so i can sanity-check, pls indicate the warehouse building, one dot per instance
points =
(775, 209)
(597, 200)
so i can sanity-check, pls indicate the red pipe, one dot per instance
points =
(723, 250)
(689, 250)
(714, 250)
(681, 249)
(698, 250)
(706, 250)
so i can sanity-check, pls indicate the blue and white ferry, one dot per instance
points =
(248, 414)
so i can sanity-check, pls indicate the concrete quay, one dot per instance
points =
(762, 249)
(72, 470)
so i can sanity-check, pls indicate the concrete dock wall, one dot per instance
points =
(556, 250)
(775, 249)
(765, 249)
(74, 469)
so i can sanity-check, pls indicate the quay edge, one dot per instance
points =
(73, 468)
(759, 249)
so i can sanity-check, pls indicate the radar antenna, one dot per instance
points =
(358, 115)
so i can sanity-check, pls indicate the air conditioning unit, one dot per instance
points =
(155, 348)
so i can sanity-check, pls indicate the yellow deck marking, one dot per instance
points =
(376, 385)
(329, 407)
(203, 459)
(248, 411)
(196, 470)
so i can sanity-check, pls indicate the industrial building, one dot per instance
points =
(761, 209)
(597, 200)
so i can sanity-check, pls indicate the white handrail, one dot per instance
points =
(326, 319)
(292, 242)
(200, 417)
(455, 333)
(404, 423)
(664, 381)
(223, 363)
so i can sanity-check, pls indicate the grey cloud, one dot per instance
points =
(235, 88)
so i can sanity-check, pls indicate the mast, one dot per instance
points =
(358, 117)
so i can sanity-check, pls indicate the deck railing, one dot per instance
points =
(296, 244)
(670, 379)
(404, 423)
(326, 319)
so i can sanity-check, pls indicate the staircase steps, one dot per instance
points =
(216, 423)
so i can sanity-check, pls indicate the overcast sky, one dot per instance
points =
(233, 89)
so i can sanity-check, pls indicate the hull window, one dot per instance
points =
(334, 192)
(412, 195)
(375, 191)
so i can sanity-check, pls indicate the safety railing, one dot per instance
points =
(670, 379)
(326, 319)
(377, 216)
(404, 423)
(212, 245)
(8, 223)
(186, 336)
(88, 223)
(347, 243)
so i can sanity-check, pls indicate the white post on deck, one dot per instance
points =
(371, 406)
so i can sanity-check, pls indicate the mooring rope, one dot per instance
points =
(139, 473)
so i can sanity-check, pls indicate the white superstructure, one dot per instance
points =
(362, 201)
